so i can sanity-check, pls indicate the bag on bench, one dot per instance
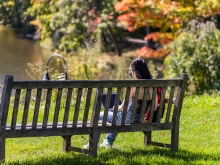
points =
(159, 94)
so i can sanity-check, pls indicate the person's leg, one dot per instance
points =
(110, 138)
(109, 119)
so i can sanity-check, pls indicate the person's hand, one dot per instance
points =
(120, 107)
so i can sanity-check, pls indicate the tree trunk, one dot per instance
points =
(115, 43)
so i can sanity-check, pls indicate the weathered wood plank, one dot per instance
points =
(161, 107)
(57, 107)
(170, 103)
(134, 105)
(97, 107)
(115, 114)
(26, 108)
(15, 108)
(147, 137)
(126, 102)
(87, 105)
(152, 105)
(95, 83)
(144, 104)
(6, 94)
(66, 143)
(36, 108)
(77, 107)
(47, 107)
(60, 131)
(177, 112)
(160, 144)
(67, 107)
(80, 150)
(136, 127)
(107, 104)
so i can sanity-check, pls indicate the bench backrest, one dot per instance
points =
(29, 105)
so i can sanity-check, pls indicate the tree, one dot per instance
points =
(167, 15)
(67, 25)
(196, 52)
(12, 13)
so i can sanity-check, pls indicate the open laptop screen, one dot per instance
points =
(112, 100)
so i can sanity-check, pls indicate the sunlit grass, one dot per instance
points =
(199, 143)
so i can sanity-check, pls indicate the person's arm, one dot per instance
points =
(121, 107)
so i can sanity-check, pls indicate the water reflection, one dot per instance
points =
(16, 52)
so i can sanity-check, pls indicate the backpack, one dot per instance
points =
(159, 95)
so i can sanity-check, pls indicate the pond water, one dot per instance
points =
(16, 51)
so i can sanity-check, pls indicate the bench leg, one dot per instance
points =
(66, 143)
(2, 148)
(175, 139)
(147, 137)
(93, 144)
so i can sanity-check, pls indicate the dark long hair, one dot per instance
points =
(140, 68)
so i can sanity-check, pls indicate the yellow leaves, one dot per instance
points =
(36, 23)
(10, 3)
(37, 1)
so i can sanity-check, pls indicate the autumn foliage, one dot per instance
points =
(167, 15)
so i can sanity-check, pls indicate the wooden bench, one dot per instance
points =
(67, 108)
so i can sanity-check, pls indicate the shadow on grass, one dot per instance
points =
(116, 156)
(182, 155)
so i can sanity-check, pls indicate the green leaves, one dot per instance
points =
(196, 52)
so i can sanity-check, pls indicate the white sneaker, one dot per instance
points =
(86, 146)
(106, 144)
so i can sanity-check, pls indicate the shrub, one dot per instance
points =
(196, 51)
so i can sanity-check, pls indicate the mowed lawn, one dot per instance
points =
(199, 143)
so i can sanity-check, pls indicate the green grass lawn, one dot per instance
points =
(199, 143)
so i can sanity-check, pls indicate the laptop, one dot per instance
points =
(112, 100)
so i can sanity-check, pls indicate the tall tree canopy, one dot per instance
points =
(167, 15)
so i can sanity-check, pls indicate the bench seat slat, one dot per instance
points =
(48, 132)
(136, 127)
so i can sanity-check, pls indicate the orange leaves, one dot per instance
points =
(36, 23)
(163, 13)
(125, 5)
(162, 38)
(150, 53)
